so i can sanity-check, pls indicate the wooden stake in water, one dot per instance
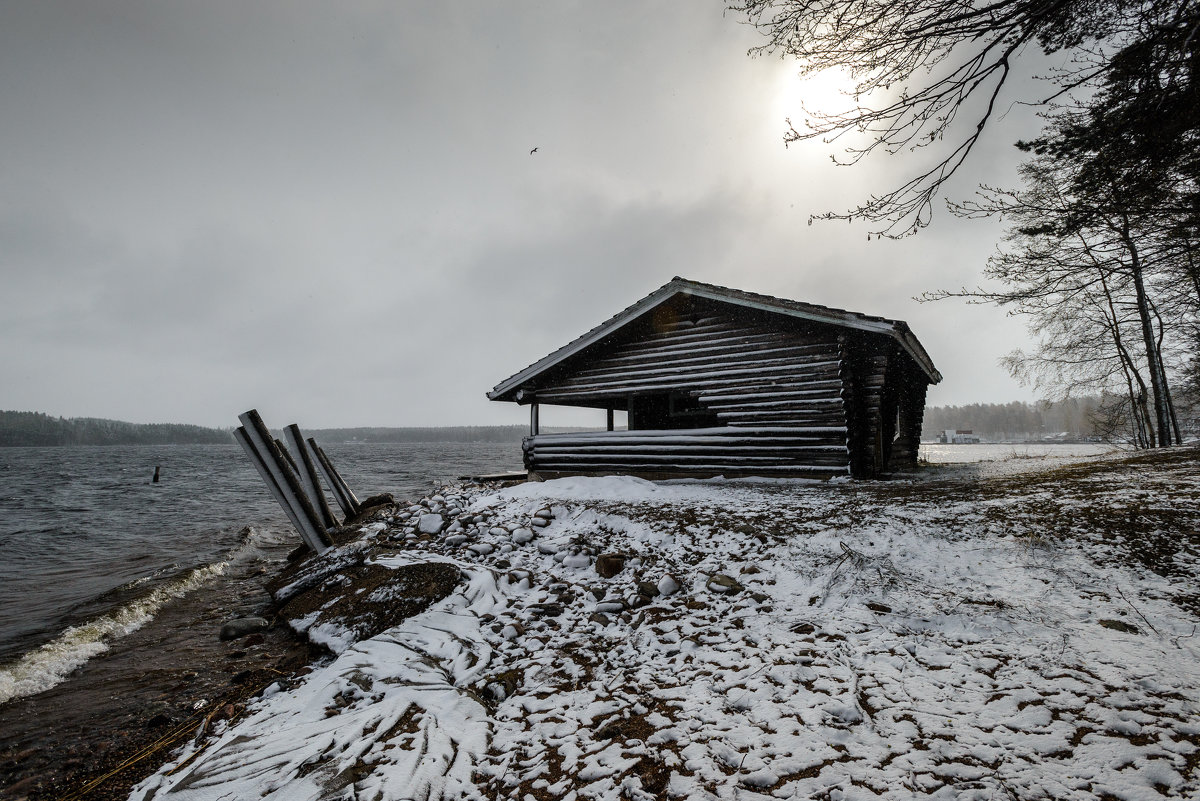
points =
(345, 496)
(308, 474)
(311, 529)
(260, 465)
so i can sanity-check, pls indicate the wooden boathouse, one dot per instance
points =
(718, 381)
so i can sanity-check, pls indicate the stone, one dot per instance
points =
(648, 588)
(1119, 625)
(497, 531)
(577, 560)
(610, 606)
(512, 631)
(481, 548)
(718, 582)
(544, 514)
(547, 548)
(540, 522)
(242, 626)
(610, 564)
(522, 535)
(382, 499)
(456, 539)
(668, 585)
(637, 601)
(431, 523)
(599, 617)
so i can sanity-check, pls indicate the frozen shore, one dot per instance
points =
(1023, 635)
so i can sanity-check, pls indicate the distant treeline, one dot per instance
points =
(1074, 419)
(34, 428)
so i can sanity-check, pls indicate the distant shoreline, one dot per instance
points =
(34, 429)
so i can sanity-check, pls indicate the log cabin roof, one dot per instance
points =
(896, 329)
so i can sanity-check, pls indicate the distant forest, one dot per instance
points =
(1069, 419)
(34, 428)
(37, 429)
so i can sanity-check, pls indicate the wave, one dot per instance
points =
(50, 664)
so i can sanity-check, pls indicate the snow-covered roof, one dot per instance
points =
(897, 329)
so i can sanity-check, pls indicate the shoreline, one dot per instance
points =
(540, 600)
(55, 743)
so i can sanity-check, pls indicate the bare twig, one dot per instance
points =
(1139, 612)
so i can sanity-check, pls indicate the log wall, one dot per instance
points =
(768, 402)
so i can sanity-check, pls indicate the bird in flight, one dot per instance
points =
(531, 152)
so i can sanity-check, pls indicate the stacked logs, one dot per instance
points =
(293, 480)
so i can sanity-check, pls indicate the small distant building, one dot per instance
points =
(717, 381)
(959, 437)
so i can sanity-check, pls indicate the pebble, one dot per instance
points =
(456, 539)
(431, 523)
(577, 560)
(610, 564)
(540, 522)
(481, 548)
(242, 626)
(522, 535)
(719, 582)
(668, 585)
(497, 531)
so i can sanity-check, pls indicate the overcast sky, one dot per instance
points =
(329, 211)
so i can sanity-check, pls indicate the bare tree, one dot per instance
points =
(918, 65)
(1092, 279)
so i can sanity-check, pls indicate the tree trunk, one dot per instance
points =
(1158, 379)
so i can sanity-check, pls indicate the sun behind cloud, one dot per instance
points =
(800, 97)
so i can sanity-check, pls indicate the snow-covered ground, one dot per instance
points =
(1026, 636)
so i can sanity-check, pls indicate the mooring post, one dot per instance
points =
(261, 466)
(155, 479)
(308, 474)
(326, 471)
(311, 529)
(335, 479)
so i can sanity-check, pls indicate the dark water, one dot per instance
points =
(90, 549)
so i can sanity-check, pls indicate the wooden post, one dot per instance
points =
(610, 419)
(344, 495)
(533, 419)
(155, 479)
(261, 466)
(308, 475)
(311, 529)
